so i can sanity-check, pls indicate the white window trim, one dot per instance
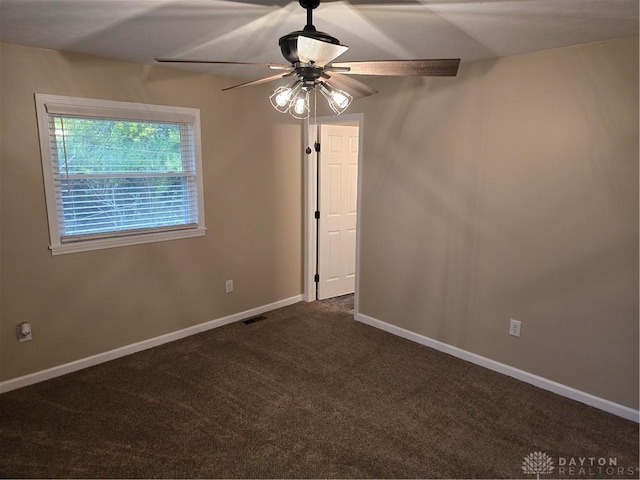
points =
(56, 104)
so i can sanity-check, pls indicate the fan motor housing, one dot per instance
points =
(306, 4)
(308, 75)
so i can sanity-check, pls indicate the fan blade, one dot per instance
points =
(447, 67)
(261, 80)
(317, 51)
(273, 66)
(351, 85)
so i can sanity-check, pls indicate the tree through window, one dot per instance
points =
(116, 170)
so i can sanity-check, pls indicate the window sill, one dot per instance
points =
(100, 244)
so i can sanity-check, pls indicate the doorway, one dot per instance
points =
(332, 206)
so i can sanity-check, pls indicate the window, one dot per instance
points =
(119, 173)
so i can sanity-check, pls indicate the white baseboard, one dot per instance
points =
(43, 375)
(546, 384)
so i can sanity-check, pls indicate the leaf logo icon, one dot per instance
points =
(538, 463)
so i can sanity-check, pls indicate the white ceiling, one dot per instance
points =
(248, 30)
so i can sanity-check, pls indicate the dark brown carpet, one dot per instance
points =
(304, 393)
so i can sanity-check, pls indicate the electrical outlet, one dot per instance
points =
(24, 332)
(229, 286)
(514, 327)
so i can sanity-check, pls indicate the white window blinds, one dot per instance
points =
(115, 170)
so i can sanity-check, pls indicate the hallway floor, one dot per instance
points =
(343, 302)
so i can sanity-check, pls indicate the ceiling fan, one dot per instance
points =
(311, 56)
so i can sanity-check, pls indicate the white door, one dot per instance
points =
(338, 210)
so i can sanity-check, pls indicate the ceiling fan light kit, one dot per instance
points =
(310, 54)
(299, 105)
(281, 97)
(338, 100)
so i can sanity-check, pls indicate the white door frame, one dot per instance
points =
(309, 170)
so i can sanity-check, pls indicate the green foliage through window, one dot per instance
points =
(119, 175)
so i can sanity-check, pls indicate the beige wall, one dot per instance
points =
(511, 192)
(508, 192)
(87, 303)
